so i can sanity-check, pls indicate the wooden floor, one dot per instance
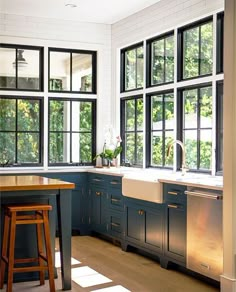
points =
(122, 271)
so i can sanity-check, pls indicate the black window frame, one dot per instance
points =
(41, 66)
(123, 130)
(75, 51)
(220, 43)
(219, 126)
(180, 46)
(93, 131)
(41, 127)
(149, 59)
(122, 67)
(149, 130)
(180, 127)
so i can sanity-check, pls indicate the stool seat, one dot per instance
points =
(18, 215)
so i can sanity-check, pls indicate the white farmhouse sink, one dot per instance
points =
(142, 188)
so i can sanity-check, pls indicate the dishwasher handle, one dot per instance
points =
(204, 195)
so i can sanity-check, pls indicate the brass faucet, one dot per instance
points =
(184, 167)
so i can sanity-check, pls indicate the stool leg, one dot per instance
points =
(48, 251)
(11, 252)
(40, 251)
(4, 249)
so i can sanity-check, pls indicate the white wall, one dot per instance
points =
(66, 34)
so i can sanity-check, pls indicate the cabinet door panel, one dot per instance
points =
(175, 245)
(154, 234)
(135, 224)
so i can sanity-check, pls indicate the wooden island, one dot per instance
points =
(23, 188)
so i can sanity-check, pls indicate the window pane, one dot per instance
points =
(190, 52)
(156, 149)
(130, 148)
(81, 116)
(59, 147)
(82, 72)
(169, 137)
(59, 115)
(158, 62)
(28, 69)
(59, 71)
(28, 147)
(81, 147)
(130, 115)
(169, 111)
(7, 70)
(206, 107)
(157, 112)
(190, 109)
(130, 69)
(7, 147)
(169, 61)
(139, 148)
(139, 114)
(206, 48)
(28, 115)
(139, 67)
(190, 142)
(7, 114)
(205, 149)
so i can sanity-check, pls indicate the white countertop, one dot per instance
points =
(163, 176)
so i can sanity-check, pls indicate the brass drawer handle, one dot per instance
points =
(173, 206)
(115, 224)
(115, 183)
(96, 179)
(173, 193)
(115, 200)
(98, 193)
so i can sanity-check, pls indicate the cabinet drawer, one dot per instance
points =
(174, 193)
(115, 182)
(97, 179)
(115, 224)
(116, 200)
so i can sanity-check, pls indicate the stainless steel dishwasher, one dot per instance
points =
(204, 232)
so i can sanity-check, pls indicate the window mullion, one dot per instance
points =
(198, 128)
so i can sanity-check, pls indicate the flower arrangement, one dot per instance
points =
(111, 153)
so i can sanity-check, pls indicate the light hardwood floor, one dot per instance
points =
(123, 269)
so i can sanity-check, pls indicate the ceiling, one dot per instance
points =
(97, 11)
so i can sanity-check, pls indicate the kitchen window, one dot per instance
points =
(219, 127)
(160, 60)
(160, 128)
(72, 71)
(196, 104)
(21, 68)
(132, 131)
(220, 43)
(132, 68)
(21, 137)
(72, 135)
(195, 50)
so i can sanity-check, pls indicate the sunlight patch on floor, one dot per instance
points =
(87, 277)
(58, 260)
(117, 288)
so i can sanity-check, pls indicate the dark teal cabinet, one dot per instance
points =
(175, 224)
(144, 225)
(80, 200)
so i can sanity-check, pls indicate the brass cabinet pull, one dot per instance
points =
(115, 224)
(115, 200)
(173, 206)
(115, 183)
(96, 179)
(140, 212)
(173, 193)
(98, 193)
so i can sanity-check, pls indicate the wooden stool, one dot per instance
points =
(38, 216)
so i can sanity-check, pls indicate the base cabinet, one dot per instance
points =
(144, 225)
(175, 224)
